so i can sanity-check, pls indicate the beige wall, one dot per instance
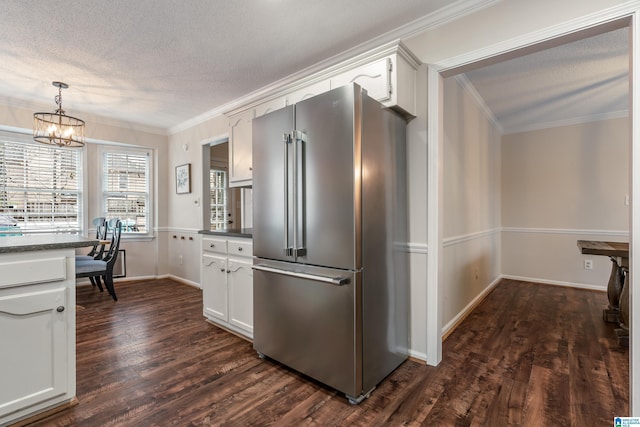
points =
(417, 217)
(486, 29)
(143, 255)
(560, 185)
(504, 21)
(185, 211)
(472, 199)
(502, 27)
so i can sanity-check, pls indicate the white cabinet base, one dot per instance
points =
(227, 283)
(37, 332)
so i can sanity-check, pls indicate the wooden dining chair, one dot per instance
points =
(103, 268)
(97, 251)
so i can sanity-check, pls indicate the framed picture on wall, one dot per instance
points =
(183, 179)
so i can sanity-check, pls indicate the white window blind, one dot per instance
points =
(126, 189)
(40, 188)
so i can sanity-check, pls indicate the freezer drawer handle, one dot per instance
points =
(333, 280)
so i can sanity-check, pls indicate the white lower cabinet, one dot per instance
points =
(37, 332)
(240, 285)
(227, 283)
(214, 287)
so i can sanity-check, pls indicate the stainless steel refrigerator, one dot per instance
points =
(329, 231)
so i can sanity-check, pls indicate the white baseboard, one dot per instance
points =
(555, 283)
(85, 281)
(418, 355)
(181, 280)
(451, 325)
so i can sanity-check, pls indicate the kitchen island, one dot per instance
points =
(37, 323)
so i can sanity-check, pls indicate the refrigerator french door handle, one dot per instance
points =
(338, 281)
(288, 251)
(295, 193)
(298, 238)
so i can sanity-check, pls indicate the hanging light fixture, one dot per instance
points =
(58, 128)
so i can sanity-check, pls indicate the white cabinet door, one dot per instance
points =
(34, 346)
(241, 294)
(240, 149)
(214, 286)
(374, 77)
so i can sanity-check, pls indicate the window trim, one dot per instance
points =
(119, 149)
(22, 137)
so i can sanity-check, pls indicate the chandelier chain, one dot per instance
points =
(58, 99)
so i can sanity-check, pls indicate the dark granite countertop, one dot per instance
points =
(39, 242)
(230, 232)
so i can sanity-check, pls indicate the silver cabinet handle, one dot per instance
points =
(60, 309)
(339, 281)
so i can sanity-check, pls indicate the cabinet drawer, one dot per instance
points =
(240, 248)
(29, 271)
(214, 245)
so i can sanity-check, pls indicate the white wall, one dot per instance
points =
(560, 185)
(472, 203)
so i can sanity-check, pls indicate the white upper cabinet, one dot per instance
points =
(388, 74)
(240, 159)
(375, 78)
(308, 92)
(269, 106)
(240, 170)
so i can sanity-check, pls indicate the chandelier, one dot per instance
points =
(58, 128)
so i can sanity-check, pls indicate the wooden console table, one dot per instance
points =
(617, 288)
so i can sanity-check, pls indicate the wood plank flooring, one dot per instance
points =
(529, 355)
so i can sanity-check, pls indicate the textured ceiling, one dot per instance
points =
(577, 82)
(162, 62)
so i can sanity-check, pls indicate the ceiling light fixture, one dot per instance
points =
(58, 128)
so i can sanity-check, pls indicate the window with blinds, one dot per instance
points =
(126, 189)
(219, 212)
(40, 188)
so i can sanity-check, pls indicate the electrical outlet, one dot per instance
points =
(588, 264)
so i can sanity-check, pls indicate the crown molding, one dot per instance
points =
(347, 59)
(471, 90)
(568, 122)
(607, 19)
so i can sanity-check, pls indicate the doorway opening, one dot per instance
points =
(437, 240)
(222, 208)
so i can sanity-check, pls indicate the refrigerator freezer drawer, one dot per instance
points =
(309, 324)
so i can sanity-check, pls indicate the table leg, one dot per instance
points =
(623, 331)
(614, 289)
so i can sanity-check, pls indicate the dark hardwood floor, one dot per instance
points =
(529, 355)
